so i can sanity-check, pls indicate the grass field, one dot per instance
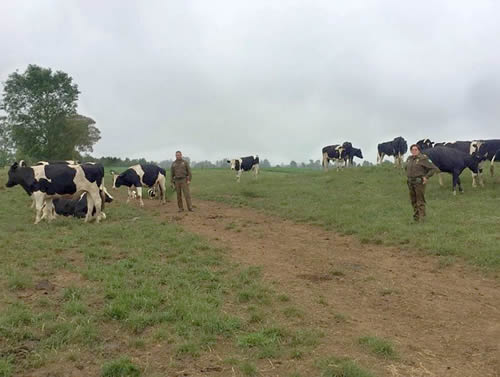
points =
(135, 295)
(372, 203)
(139, 295)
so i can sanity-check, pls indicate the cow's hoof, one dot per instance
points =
(454, 193)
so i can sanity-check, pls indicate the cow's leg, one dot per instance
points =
(139, 194)
(459, 182)
(455, 181)
(94, 200)
(129, 194)
(49, 211)
(163, 191)
(238, 175)
(492, 165)
(325, 161)
(33, 202)
(39, 204)
(256, 170)
(440, 176)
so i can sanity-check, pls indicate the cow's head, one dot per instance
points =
(152, 192)
(477, 149)
(425, 144)
(116, 180)
(13, 175)
(235, 164)
(356, 152)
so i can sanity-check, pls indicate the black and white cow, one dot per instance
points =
(452, 161)
(336, 153)
(79, 207)
(487, 150)
(462, 146)
(47, 182)
(397, 148)
(245, 164)
(141, 175)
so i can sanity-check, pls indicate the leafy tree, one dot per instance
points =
(293, 164)
(6, 149)
(41, 114)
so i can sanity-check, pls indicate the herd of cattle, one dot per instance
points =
(72, 189)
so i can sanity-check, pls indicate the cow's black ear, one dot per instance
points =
(14, 166)
(228, 161)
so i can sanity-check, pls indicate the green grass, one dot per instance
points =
(342, 367)
(380, 347)
(128, 287)
(372, 204)
(121, 367)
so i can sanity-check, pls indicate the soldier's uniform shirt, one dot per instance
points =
(418, 167)
(180, 173)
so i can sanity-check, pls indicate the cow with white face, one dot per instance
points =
(141, 175)
(47, 182)
(245, 164)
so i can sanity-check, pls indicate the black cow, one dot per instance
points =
(487, 150)
(353, 152)
(397, 148)
(452, 161)
(78, 207)
(245, 164)
(141, 175)
(46, 182)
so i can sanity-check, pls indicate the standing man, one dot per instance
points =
(419, 168)
(180, 174)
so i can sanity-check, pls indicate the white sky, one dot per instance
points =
(280, 79)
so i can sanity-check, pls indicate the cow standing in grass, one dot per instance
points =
(245, 164)
(452, 161)
(397, 148)
(141, 175)
(336, 153)
(47, 182)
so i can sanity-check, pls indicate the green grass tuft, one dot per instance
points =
(121, 367)
(380, 347)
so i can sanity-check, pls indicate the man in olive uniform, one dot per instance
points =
(180, 174)
(419, 168)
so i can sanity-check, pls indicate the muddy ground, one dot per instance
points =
(443, 319)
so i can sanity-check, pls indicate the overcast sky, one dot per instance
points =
(280, 79)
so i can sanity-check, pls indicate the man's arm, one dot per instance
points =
(430, 167)
(172, 172)
(188, 169)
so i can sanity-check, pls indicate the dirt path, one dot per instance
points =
(444, 320)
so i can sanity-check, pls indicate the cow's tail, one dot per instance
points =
(492, 165)
(256, 158)
(162, 171)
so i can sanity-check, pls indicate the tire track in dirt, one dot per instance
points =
(444, 321)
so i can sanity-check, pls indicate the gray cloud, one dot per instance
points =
(277, 78)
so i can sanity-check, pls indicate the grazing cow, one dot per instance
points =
(336, 153)
(245, 164)
(487, 150)
(452, 161)
(47, 182)
(78, 207)
(141, 175)
(397, 148)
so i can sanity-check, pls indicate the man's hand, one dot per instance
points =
(424, 180)
(188, 181)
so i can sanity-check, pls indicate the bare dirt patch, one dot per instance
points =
(443, 320)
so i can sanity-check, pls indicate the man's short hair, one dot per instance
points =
(178, 152)
(414, 145)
